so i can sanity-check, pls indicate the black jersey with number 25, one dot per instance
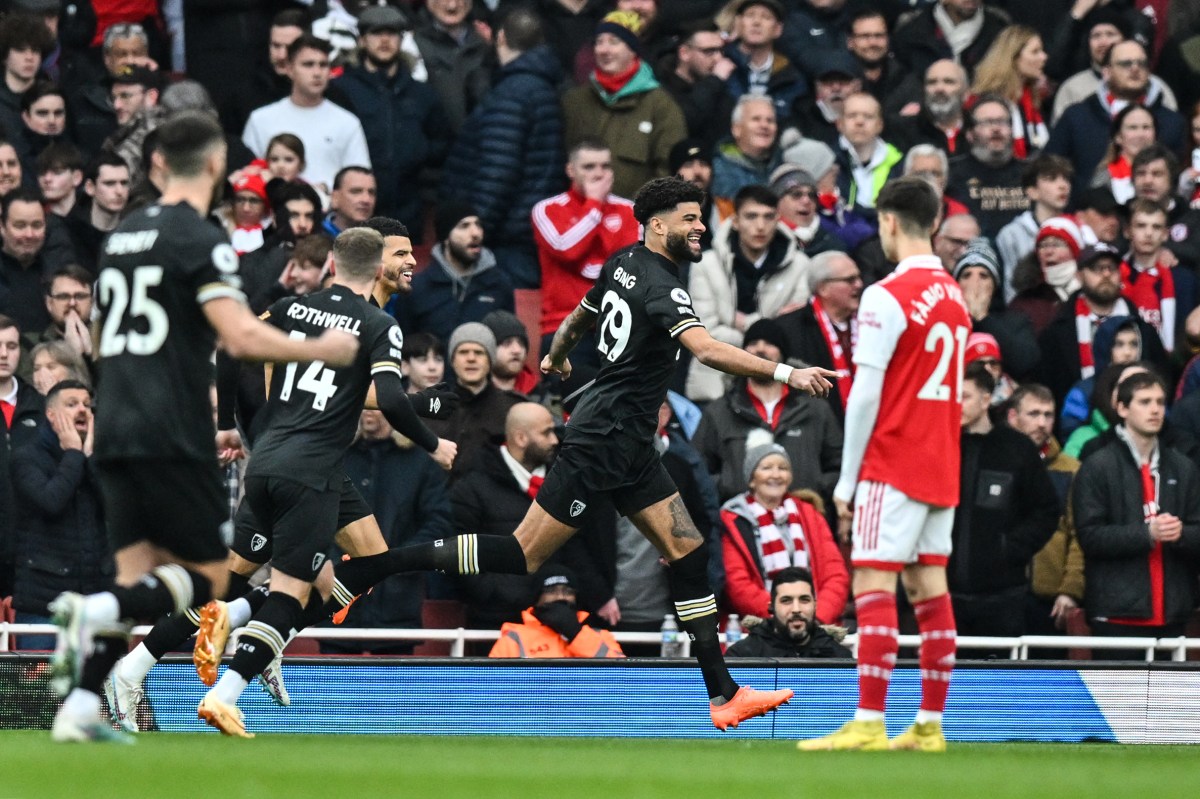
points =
(156, 271)
(313, 409)
(642, 308)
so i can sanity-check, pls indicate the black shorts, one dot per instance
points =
(300, 521)
(180, 506)
(254, 543)
(628, 471)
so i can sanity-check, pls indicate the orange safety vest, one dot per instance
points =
(532, 639)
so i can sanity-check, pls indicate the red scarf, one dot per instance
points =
(1155, 562)
(614, 83)
(842, 364)
(1116, 105)
(535, 483)
(1029, 129)
(1152, 292)
(1083, 333)
(761, 409)
(9, 409)
(771, 531)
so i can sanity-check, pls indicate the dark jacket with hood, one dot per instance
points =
(764, 640)
(442, 299)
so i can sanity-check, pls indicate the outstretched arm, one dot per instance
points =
(729, 359)
(578, 322)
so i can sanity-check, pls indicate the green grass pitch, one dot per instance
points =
(180, 766)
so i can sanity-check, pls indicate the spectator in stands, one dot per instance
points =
(135, 93)
(1175, 67)
(961, 30)
(978, 274)
(952, 238)
(24, 40)
(1137, 512)
(20, 408)
(1056, 573)
(1081, 134)
(509, 155)
(837, 77)
(1046, 181)
(1162, 292)
(761, 69)
(55, 361)
(553, 627)
(692, 160)
(866, 160)
(462, 282)
(987, 179)
(456, 57)
(1133, 130)
(511, 371)
(406, 491)
(1014, 68)
(624, 105)
(22, 266)
(938, 119)
(807, 430)
(931, 163)
(815, 31)
(1117, 341)
(43, 120)
(1007, 511)
(1155, 176)
(333, 137)
(59, 170)
(867, 40)
(1102, 28)
(799, 210)
(654, 40)
(790, 629)
(1103, 404)
(61, 541)
(1049, 276)
(353, 199)
(262, 270)
(695, 77)
(570, 25)
(768, 528)
(824, 332)
(89, 106)
(575, 233)
(93, 216)
(750, 156)
(1067, 351)
(1097, 210)
(423, 362)
(818, 159)
(68, 301)
(480, 416)
(983, 349)
(753, 271)
(268, 81)
(247, 218)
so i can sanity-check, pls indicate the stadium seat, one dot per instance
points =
(439, 614)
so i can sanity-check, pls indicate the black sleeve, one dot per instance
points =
(229, 371)
(389, 394)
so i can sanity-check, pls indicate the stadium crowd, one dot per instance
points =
(510, 135)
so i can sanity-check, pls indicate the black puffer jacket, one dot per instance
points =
(61, 541)
(765, 641)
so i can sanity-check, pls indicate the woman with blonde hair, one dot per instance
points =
(1014, 68)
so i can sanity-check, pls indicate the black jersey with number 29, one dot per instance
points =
(312, 410)
(642, 308)
(156, 271)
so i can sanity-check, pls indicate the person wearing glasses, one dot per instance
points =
(1082, 133)
(987, 178)
(797, 191)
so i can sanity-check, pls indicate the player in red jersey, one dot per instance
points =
(900, 468)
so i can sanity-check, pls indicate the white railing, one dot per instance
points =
(1018, 647)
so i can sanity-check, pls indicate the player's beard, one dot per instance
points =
(679, 249)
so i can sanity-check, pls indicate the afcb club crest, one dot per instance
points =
(257, 542)
(577, 508)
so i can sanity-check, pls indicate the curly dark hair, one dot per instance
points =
(662, 194)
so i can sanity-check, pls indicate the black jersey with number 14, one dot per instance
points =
(642, 308)
(156, 272)
(312, 410)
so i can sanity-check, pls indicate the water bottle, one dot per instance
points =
(733, 630)
(672, 647)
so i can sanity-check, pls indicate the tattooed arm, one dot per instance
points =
(565, 339)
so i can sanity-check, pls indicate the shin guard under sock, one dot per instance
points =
(696, 607)
(263, 639)
(935, 620)
(167, 589)
(877, 646)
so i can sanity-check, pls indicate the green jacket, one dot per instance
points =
(1096, 426)
(640, 124)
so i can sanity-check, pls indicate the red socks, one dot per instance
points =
(935, 619)
(877, 645)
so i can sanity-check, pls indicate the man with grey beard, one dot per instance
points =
(938, 118)
(987, 178)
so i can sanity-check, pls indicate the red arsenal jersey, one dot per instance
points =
(913, 325)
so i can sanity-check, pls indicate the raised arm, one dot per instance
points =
(578, 322)
(729, 359)
(245, 337)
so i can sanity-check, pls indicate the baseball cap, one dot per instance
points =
(774, 6)
(138, 75)
(1092, 253)
(838, 62)
(685, 151)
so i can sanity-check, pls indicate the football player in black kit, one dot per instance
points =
(644, 313)
(293, 482)
(168, 291)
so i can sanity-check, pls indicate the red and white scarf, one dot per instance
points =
(1152, 292)
(1085, 322)
(527, 481)
(843, 362)
(781, 539)
(1029, 129)
(1120, 174)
